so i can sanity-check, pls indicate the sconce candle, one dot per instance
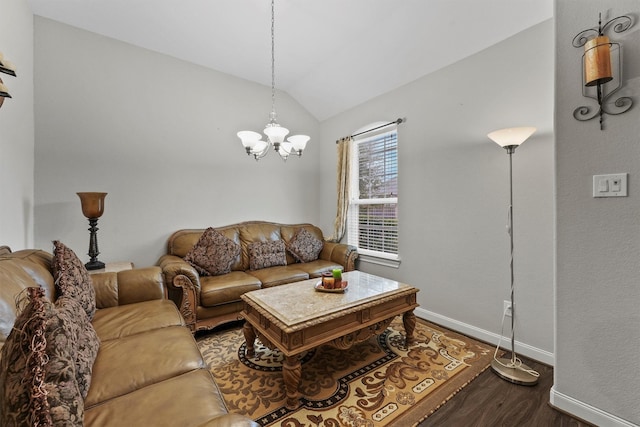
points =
(597, 61)
(92, 209)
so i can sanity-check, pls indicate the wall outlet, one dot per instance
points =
(507, 308)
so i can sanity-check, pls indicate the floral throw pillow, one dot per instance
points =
(38, 372)
(266, 254)
(213, 254)
(305, 247)
(72, 278)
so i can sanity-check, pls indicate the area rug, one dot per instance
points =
(379, 382)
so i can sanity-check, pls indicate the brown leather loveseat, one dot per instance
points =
(257, 255)
(148, 370)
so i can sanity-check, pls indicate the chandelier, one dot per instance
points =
(252, 142)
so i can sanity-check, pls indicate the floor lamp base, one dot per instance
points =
(505, 370)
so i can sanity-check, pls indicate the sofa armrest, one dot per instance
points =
(128, 286)
(183, 286)
(340, 253)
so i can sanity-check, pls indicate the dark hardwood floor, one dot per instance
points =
(491, 401)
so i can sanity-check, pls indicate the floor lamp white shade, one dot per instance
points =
(512, 369)
(511, 136)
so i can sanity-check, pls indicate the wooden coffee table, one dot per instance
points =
(295, 318)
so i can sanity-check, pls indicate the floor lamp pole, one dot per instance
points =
(513, 370)
(510, 230)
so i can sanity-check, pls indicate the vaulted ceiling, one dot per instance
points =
(331, 55)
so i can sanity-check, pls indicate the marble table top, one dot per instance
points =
(299, 302)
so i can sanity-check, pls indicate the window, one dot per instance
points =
(373, 208)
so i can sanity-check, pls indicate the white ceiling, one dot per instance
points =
(331, 55)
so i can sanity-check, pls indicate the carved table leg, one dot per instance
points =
(409, 320)
(250, 338)
(292, 374)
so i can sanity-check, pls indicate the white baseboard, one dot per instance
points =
(486, 336)
(585, 412)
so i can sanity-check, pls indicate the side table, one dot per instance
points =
(114, 267)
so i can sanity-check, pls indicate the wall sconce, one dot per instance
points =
(602, 69)
(7, 68)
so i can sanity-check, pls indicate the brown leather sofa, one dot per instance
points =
(208, 301)
(148, 370)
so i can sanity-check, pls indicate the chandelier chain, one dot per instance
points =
(256, 147)
(273, 60)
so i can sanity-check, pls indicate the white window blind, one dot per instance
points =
(373, 208)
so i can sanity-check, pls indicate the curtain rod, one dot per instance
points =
(396, 122)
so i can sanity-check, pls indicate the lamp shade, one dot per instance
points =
(4, 92)
(597, 61)
(275, 133)
(249, 138)
(299, 141)
(92, 204)
(511, 136)
(260, 146)
(6, 66)
(285, 149)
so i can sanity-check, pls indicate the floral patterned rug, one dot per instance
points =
(378, 382)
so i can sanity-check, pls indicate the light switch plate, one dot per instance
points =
(611, 185)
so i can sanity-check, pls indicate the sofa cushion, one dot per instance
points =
(319, 266)
(130, 319)
(190, 399)
(137, 361)
(72, 278)
(305, 247)
(266, 254)
(38, 367)
(279, 275)
(219, 290)
(213, 254)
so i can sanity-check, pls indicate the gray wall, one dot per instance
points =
(16, 127)
(159, 135)
(453, 192)
(597, 240)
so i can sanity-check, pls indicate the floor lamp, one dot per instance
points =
(512, 369)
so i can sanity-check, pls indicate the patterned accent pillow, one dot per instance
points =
(213, 254)
(88, 343)
(62, 332)
(38, 370)
(266, 254)
(72, 278)
(305, 247)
